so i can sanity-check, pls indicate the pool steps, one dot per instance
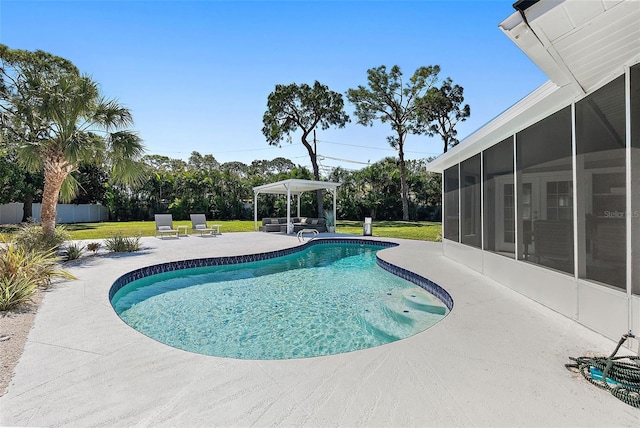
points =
(424, 302)
(408, 311)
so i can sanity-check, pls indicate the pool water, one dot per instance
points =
(327, 299)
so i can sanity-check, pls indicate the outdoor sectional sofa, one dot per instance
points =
(279, 224)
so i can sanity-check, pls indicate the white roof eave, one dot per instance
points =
(578, 45)
(548, 98)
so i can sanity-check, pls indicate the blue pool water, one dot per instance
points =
(326, 299)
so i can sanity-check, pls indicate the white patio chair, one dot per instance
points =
(199, 224)
(164, 225)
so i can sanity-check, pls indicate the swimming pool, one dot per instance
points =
(326, 297)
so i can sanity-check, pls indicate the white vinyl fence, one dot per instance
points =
(65, 213)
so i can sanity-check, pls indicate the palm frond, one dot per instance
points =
(125, 145)
(125, 154)
(84, 147)
(29, 156)
(111, 115)
(128, 172)
(69, 189)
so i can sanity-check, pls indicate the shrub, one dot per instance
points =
(32, 238)
(73, 251)
(94, 246)
(120, 244)
(14, 291)
(22, 271)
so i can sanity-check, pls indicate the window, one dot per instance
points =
(470, 201)
(601, 191)
(499, 200)
(451, 204)
(545, 192)
(559, 200)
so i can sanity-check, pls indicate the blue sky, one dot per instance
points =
(197, 74)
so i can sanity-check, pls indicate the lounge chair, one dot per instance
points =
(164, 225)
(199, 224)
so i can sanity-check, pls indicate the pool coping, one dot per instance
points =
(497, 359)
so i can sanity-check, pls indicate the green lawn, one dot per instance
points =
(419, 230)
(422, 230)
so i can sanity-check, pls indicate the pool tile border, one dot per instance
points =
(420, 281)
(143, 272)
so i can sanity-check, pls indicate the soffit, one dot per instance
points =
(578, 42)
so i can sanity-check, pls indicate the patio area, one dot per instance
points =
(496, 360)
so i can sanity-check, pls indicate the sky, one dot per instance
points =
(196, 75)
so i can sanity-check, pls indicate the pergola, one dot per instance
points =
(292, 187)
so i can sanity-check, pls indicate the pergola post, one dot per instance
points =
(288, 206)
(255, 211)
(335, 220)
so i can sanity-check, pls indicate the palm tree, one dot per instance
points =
(81, 126)
(59, 119)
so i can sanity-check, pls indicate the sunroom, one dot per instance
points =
(546, 197)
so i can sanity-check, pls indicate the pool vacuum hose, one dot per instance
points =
(619, 375)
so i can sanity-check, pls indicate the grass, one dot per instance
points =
(110, 229)
(419, 230)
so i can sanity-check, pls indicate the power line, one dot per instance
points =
(231, 151)
(328, 169)
(375, 148)
(345, 160)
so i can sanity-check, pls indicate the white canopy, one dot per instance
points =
(292, 187)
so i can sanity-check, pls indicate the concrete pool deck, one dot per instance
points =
(496, 360)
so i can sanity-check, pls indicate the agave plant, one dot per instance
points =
(121, 244)
(73, 251)
(330, 220)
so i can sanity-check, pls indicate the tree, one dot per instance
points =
(19, 72)
(380, 186)
(276, 166)
(292, 107)
(92, 184)
(390, 100)
(206, 162)
(16, 183)
(63, 120)
(442, 110)
(159, 163)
